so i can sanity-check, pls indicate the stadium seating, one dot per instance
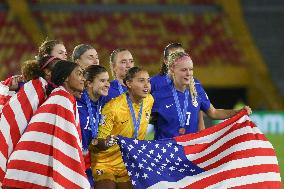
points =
(169, 2)
(207, 36)
(15, 46)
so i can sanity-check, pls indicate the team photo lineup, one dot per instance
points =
(64, 123)
(150, 94)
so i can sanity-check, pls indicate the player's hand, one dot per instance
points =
(248, 109)
(94, 141)
(15, 82)
(110, 141)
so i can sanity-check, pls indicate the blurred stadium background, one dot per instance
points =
(237, 46)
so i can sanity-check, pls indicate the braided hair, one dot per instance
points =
(173, 58)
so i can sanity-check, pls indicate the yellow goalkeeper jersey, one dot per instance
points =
(117, 120)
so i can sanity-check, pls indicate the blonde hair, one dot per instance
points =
(112, 59)
(173, 58)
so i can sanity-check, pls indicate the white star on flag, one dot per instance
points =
(145, 176)
(135, 141)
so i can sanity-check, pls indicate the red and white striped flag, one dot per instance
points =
(15, 117)
(233, 154)
(49, 153)
(5, 94)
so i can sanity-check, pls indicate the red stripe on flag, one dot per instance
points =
(7, 81)
(22, 184)
(40, 90)
(2, 175)
(192, 149)
(234, 173)
(242, 154)
(65, 94)
(63, 181)
(4, 99)
(260, 185)
(38, 169)
(14, 131)
(50, 151)
(3, 146)
(212, 130)
(58, 111)
(25, 104)
(49, 129)
(225, 146)
(32, 167)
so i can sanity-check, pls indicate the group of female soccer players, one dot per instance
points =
(173, 101)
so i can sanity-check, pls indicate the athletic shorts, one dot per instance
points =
(115, 175)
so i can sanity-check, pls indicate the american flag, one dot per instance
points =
(233, 154)
(49, 153)
(15, 117)
(5, 94)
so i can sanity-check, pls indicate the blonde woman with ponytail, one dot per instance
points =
(121, 60)
(177, 105)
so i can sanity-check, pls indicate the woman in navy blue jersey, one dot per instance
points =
(121, 61)
(160, 80)
(176, 105)
(89, 108)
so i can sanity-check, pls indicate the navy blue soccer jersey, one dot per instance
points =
(168, 124)
(114, 90)
(157, 82)
(86, 128)
(85, 118)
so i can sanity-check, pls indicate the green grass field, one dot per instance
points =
(277, 141)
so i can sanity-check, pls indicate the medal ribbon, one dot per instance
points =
(181, 114)
(93, 125)
(120, 88)
(136, 124)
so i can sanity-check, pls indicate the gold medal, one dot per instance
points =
(182, 131)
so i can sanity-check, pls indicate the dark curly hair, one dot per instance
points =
(31, 70)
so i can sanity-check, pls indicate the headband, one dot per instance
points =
(47, 62)
(180, 59)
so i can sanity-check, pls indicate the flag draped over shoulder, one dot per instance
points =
(15, 117)
(232, 154)
(5, 94)
(49, 153)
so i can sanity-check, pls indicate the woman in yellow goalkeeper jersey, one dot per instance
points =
(127, 115)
